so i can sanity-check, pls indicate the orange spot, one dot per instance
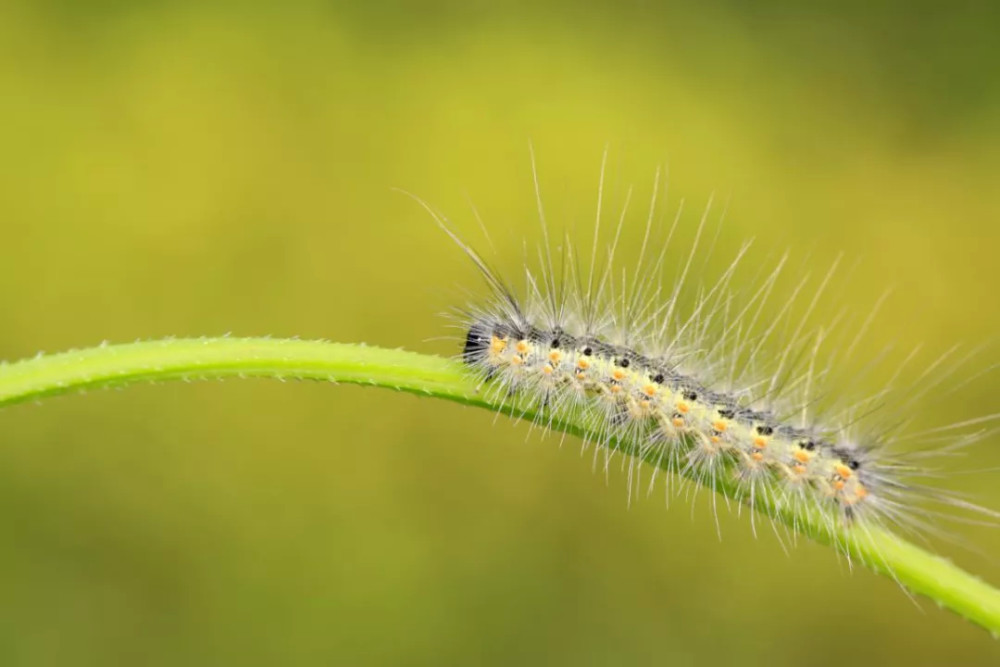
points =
(618, 374)
(582, 364)
(516, 360)
(759, 443)
(649, 390)
(683, 408)
(645, 404)
(678, 422)
(498, 344)
(802, 456)
(757, 456)
(523, 347)
(555, 356)
(842, 470)
(720, 426)
(839, 485)
(581, 376)
(547, 369)
(799, 469)
(716, 439)
(861, 492)
(616, 388)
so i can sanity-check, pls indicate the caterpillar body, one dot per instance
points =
(679, 371)
(668, 410)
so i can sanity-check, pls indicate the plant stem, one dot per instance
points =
(215, 358)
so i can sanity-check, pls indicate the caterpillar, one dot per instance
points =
(681, 370)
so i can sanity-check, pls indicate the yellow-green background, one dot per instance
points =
(198, 168)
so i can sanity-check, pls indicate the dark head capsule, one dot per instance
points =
(477, 343)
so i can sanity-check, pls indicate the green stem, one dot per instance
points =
(215, 358)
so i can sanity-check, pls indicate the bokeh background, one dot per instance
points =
(198, 168)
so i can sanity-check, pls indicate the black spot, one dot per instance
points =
(765, 430)
(476, 344)
(555, 343)
(854, 464)
(807, 445)
(727, 413)
(690, 395)
(624, 363)
(587, 351)
(658, 378)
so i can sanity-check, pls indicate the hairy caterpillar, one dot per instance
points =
(681, 368)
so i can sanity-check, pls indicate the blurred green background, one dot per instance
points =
(200, 168)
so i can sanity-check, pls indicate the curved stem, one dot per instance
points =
(215, 358)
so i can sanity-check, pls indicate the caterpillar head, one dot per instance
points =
(477, 342)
